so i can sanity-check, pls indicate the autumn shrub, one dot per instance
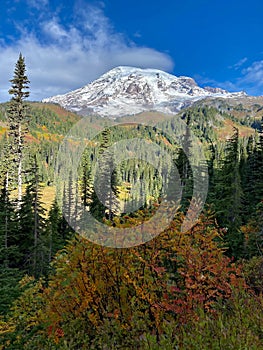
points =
(105, 298)
(253, 271)
(236, 325)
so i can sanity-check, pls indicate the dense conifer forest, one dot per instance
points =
(199, 289)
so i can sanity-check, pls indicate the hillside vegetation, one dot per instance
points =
(199, 289)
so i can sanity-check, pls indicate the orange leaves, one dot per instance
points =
(206, 273)
(166, 278)
(57, 333)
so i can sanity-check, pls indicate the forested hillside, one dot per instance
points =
(199, 289)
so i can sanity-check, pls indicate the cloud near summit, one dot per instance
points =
(61, 57)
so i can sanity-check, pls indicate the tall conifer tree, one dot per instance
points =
(228, 196)
(17, 119)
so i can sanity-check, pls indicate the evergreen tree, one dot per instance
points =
(68, 206)
(259, 170)
(184, 167)
(252, 177)
(9, 288)
(55, 234)
(107, 185)
(9, 252)
(228, 196)
(32, 227)
(86, 179)
(17, 112)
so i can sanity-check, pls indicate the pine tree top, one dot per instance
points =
(20, 81)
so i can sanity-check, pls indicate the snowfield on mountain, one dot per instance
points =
(128, 90)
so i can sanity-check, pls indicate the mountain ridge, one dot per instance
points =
(128, 90)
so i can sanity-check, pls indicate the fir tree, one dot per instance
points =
(228, 196)
(184, 167)
(32, 227)
(107, 185)
(9, 252)
(17, 119)
(55, 234)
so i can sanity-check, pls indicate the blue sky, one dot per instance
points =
(68, 44)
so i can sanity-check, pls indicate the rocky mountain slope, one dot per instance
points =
(127, 91)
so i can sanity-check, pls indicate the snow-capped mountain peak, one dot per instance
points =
(128, 90)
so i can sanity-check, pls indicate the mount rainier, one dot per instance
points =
(127, 91)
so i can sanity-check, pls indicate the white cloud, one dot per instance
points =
(64, 57)
(239, 64)
(250, 80)
(54, 31)
(254, 73)
(37, 3)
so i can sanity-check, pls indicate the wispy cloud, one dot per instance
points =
(206, 81)
(252, 77)
(249, 79)
(61, 57)
(137, 34)
(254, 73)
(239, 64)
(38, 4)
